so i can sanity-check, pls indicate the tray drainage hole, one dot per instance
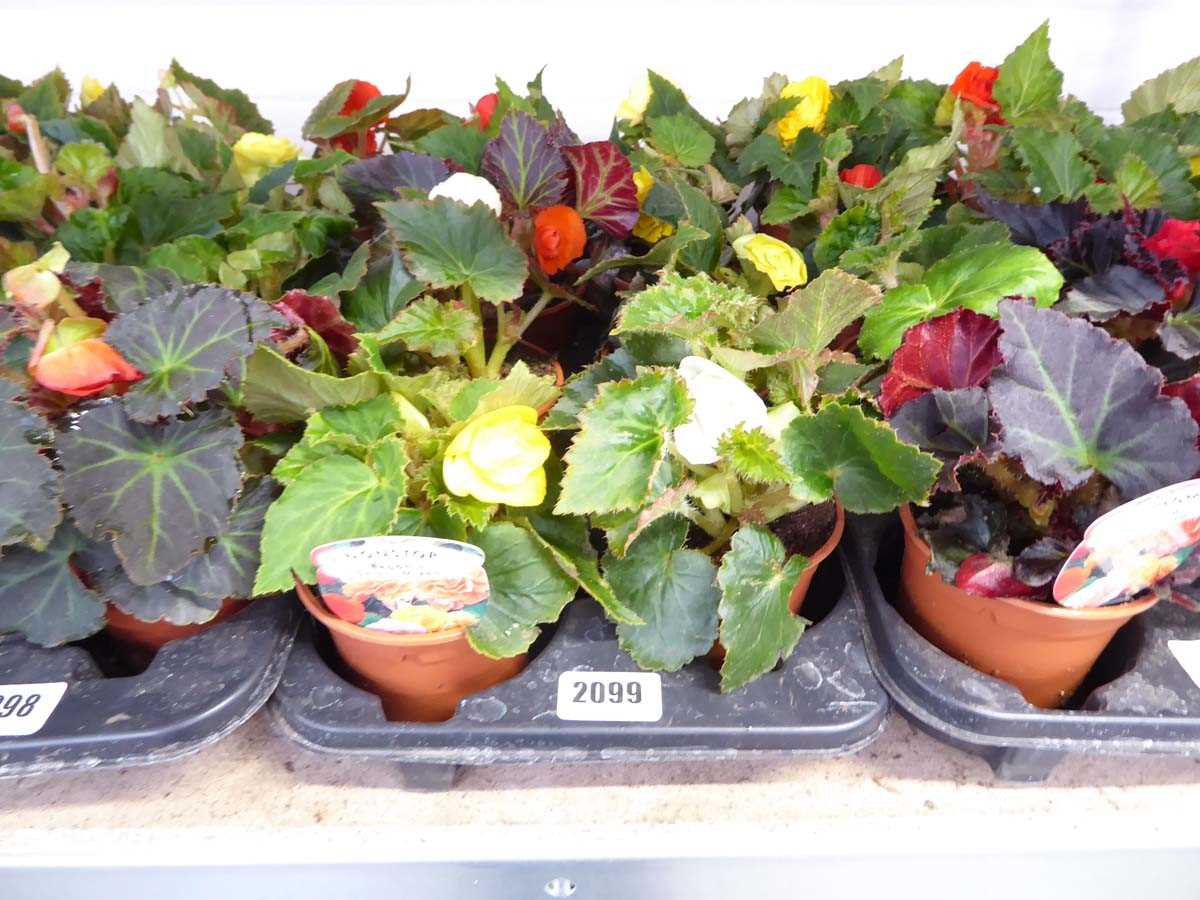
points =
(559, 887)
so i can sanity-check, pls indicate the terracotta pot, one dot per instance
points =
(150, 637)
(1042, 649)
(419, 677)
(717, 655)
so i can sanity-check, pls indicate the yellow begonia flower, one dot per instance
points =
(815, 98)
(35, 286)
(498, 458)
(633, 107)
(90, 90)
(649, 228)
(255, 154)
(780, 262)
(1194, 162)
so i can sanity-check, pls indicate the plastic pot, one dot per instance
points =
(150, 637)
(1042, 649)
(717, 655)
(419, 677)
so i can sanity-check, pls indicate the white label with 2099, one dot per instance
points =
(25, 708)
(610, 696)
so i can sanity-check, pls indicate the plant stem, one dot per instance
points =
(721, 539)
(475, 354)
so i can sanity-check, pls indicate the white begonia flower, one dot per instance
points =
(720, 402)
(467, 188)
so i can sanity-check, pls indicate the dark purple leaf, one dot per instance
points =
(1038, 564)
(1119, 289)
(1073, 401)
(380, 177)
(946, 423)
(1181, 331)
(605, 191)
(525, 164)
(1036, 225)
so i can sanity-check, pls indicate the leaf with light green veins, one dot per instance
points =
(672, 589)
(816, 314)
(183, 343)
(1029, 82)
(757, 627)
(622, 443)
(431, 326)
(976, 278)
(30, 507)
(694, 308)
(527, 588)
(448, 244)
(1137, 183)
(839, 452)
(332, 499)
(662, 254)
(163, 600)
(277, 390)
(749, 455)
(1055, 162)
(41, 595)
(228, 567)
(1177, 88)
(682, 139)
(161, 490)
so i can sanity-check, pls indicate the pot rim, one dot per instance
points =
(835, 537)
(1125, 610)
(372, 636)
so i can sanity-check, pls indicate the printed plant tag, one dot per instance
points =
(609, 697)
(403, 584)
(25, 708)
(1133, 547)
(1188, 654)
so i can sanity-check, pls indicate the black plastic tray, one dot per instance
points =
(824, 700)
(194, 692)
(1137, 699)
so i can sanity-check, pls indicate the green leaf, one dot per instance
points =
(1029, 82)
(672, 589)
(622, 443)
(794, 166)
(694, 308)
(447, 244)
(457, 143)
(219, 104)
(332, 499)
(1177, 88)
(857, 227)
(30, 509)
(276, 390)
(813, 316)
(86, 163)
(386, 289)
(661, 254)
(23, 192)
(570, 544)
(228, 567)
(751, 456)
(46, 98)
(430, 326)
(520, 387)
(183, 343)
(757, 627)
(193, 258)
(1137, 183)
(839, 452)
(42, 597)
(682, 139)
(326, 120)
(977, 278)
(1055, 162)
(582, 387)
(527, 588)
(162, 491)
(786, 203)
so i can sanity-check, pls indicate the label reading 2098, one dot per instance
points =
(25, 708)
(610, 697)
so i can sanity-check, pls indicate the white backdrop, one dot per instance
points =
(286, 54)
